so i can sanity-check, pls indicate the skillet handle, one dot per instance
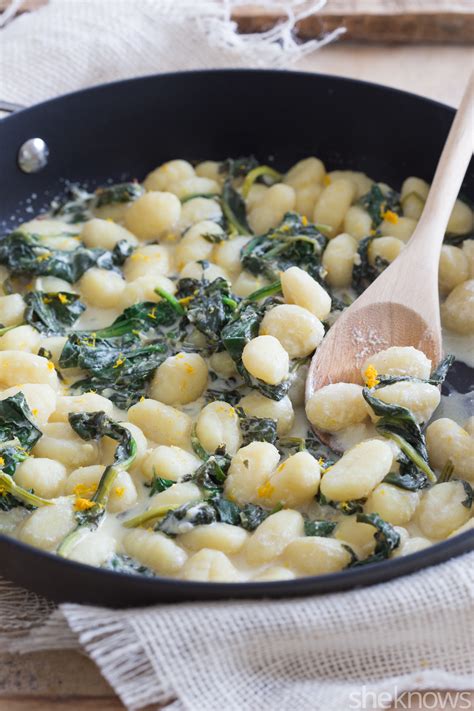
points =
(10, 108)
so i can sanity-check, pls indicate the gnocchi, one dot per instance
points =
(157, 382)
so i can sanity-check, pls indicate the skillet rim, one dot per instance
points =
(229, 70)
(330, 583)
(346, 579)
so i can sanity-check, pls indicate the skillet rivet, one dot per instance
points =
(33, 155)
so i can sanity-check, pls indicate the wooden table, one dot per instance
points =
(61, 681)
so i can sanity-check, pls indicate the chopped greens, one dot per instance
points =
(75, 206)
(456, 240)
(262, 172)
(159, 484)
(409, 477)
(398, 424)
(121, 563)
(175, 520)
(117, 368)
(467, 502)
(26, 255)
(348, 508)
(251, 516)
(213, 471)
(94, 426)
(295, 242)
(118, 193)
(18, 436)
(210, 306)
(438, 376)
(184, 518)
(364, 273)
(377, 203)
(52, 313)
(242, 328)
(257, 429)
(319, 528)
(118, 361)
(238, 167)
(233, 207)
(386, 537)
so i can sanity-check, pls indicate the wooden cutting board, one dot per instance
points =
(446, 21)
(443, 21)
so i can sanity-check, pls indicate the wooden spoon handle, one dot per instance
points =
(449, 174)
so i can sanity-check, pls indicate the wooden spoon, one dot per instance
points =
(401, 307)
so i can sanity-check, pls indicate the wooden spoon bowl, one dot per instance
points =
(370, 329)
(401, 307)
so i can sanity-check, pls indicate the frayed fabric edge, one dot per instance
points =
(278, 46)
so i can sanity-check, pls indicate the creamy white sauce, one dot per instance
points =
(455, 406)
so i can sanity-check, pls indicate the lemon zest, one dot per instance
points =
(81, 504)
(390, 216)
(265, 490)
(82, 490)
(370, 376)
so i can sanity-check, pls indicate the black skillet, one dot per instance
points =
(123, 130)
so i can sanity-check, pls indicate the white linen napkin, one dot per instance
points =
(330, 653)
(334, 652)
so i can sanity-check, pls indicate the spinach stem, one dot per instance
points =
(273, 288)
(8, 484)
(157, 512)
(254, 174)
(170, 299)
(410, 452)
(9, 328)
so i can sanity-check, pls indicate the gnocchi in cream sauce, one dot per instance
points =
(154, 343)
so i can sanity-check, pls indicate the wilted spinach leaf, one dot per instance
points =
(118, 368)
(377, 202)
(226, 511)
(319, 528)
(94, 426)
(212, 473)
(233, 207)
(238, 167)
(210, 306)
(251, 516)
(159, 484)
(364, 273)
(18, 436)
(256, 429)
(242, 328)
(386, 537)
(295, 242)
(184, 518)
(115, 358)
(398, 424)
(25, 255)
(118, 193)
(348, 508)
(467, 502)
(456, 240)
(52, 313)
(121, 563)
(75, 206)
